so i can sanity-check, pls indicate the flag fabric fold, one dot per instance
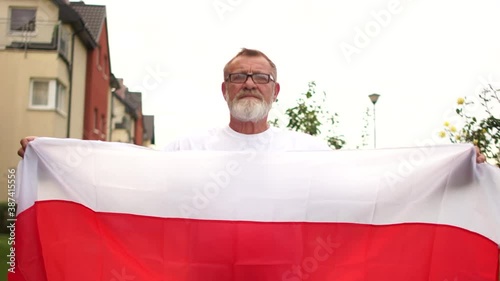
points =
(108, 211)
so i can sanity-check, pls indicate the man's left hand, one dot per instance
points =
(480, 158)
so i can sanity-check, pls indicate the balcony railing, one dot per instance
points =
(37, 35)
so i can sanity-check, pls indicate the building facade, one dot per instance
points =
(43, 54)
(128, 124)
(99, 78)
(55, 77)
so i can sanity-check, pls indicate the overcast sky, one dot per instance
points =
(419, 55)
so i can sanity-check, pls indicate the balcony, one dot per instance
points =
(35, 35)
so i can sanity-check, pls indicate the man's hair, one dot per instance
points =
(251, 53)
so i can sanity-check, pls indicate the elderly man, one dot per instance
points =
(250, 87)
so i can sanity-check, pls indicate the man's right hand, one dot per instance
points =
(24, 142)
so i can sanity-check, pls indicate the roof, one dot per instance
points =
(69, 15)
(131, 100)
(93, 15)
(134, 99)
(128, 108)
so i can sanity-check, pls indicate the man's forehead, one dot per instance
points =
(254, 62)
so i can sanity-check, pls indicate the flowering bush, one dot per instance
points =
(482, 131)
(309, 117)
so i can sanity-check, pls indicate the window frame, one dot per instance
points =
(61, 102)
(57, 96)
(64, 41)
(11, 18)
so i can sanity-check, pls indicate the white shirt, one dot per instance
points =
(226, 139)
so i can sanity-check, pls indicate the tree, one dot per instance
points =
(309, 117)
(482, 131)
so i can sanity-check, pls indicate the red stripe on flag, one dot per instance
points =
(58, 240)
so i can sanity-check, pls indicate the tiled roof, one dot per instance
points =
(93, 15)
(121, 90)
(134, 99)
(131, 100)
(69, 15)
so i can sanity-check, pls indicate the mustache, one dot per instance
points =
(249, 93)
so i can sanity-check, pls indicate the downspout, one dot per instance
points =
(70, 72)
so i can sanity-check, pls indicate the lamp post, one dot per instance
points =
(374, 99)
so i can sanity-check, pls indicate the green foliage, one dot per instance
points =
(4, 251)
(483, 132)
(309, 117)
(3, 218)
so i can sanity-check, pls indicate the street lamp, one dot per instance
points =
(374, 99)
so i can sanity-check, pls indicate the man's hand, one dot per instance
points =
(24, 142)
(480, 158)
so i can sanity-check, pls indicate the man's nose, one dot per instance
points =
(249, 84)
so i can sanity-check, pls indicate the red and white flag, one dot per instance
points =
(115, 212)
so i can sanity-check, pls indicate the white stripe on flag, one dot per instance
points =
(429, 184)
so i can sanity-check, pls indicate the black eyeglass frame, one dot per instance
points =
(270, 78)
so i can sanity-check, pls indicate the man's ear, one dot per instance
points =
(223, 88)
(276, 91)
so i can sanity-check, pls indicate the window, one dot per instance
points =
(22, 19)
(40, 93)
(103, 126)
(98, 58)
(64, 42)
(61, 98)
(96, 120)
(48, 94)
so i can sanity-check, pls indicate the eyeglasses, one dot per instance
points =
(258, 78)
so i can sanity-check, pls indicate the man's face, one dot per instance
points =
(250, 101)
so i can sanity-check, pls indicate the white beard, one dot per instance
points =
(248, 109)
